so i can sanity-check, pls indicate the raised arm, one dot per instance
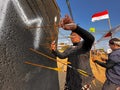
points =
(67, 24)
(87, 37)
(57, 53)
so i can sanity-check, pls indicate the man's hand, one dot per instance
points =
(67, 23)
(53, 46)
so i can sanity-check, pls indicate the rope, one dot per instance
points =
(39, 65)
(80, 71)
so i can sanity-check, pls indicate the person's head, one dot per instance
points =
(114, 43)
(75, 38)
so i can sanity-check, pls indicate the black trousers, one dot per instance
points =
(73, 80)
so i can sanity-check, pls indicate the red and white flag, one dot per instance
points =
(100, 16)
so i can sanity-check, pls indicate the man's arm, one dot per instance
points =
(107, 65)
(88, 37)
(67, 24)
(62, 55)
(57, 53)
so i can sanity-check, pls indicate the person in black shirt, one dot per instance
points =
(77, 54)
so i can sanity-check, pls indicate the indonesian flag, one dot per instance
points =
(100, 16)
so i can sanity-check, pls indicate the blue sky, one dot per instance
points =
(83, 10)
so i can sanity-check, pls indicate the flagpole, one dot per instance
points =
(110, 26)
(109, 23)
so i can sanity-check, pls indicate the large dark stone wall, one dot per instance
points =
(15, 43)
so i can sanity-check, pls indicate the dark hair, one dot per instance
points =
(114, 40)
